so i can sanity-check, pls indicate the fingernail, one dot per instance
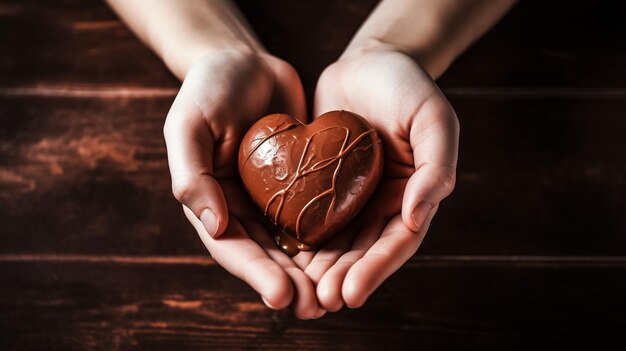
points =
(420, 213)
(320, 313)
(358, 305)
(338, 308)
(210, 221)
(267, 303)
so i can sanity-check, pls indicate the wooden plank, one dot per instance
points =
(548, 44)
(536, 176)
(73, 42)
(89, 226)
(112, 306)
(82, 43)
(89, 176)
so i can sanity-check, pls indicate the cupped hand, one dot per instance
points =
(420, 134)
(224, 93)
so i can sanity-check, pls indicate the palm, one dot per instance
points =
(413, 118)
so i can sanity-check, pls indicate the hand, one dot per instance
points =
(420, 134)
(223, 93)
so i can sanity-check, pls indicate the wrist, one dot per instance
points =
(432, 58)
(365, 46)
(179, 56)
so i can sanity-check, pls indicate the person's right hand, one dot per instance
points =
(224, 93)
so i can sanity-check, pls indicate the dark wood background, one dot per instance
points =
(529, 251)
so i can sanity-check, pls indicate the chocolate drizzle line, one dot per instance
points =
(320, 165)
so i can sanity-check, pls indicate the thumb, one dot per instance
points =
(190, 146)
(424, 191)
(203, 195)
(434, 137)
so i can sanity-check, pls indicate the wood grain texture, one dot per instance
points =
(82, 43)
(548, 45)
(536, 177)
(88, 176)
(100, 306)
(529, 251)
(73, 42)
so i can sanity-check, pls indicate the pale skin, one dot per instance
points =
(385, 74)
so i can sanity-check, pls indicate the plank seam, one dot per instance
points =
(88, 92)
(92, 91)
(417, 260)
(547, 92)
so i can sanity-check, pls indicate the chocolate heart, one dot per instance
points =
(310, 180)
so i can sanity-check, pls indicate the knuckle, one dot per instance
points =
(450, 118)
(165, 128)
(167, 125)
(456, 125)
(448, 181)
(182, 190)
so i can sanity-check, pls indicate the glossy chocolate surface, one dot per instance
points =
(310, 180)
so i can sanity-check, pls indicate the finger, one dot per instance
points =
(303, 258)
(330, 285)
(396, 245)
(246, 260)
(331, 251)
(434, 138)
(305, 305)
(190, 146)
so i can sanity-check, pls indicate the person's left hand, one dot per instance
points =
(420, 134)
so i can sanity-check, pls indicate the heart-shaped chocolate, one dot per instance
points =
(310, 180)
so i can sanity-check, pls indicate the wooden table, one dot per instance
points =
(529, 251)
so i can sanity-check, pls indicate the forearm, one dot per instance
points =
(433, 32)
(181, 31)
